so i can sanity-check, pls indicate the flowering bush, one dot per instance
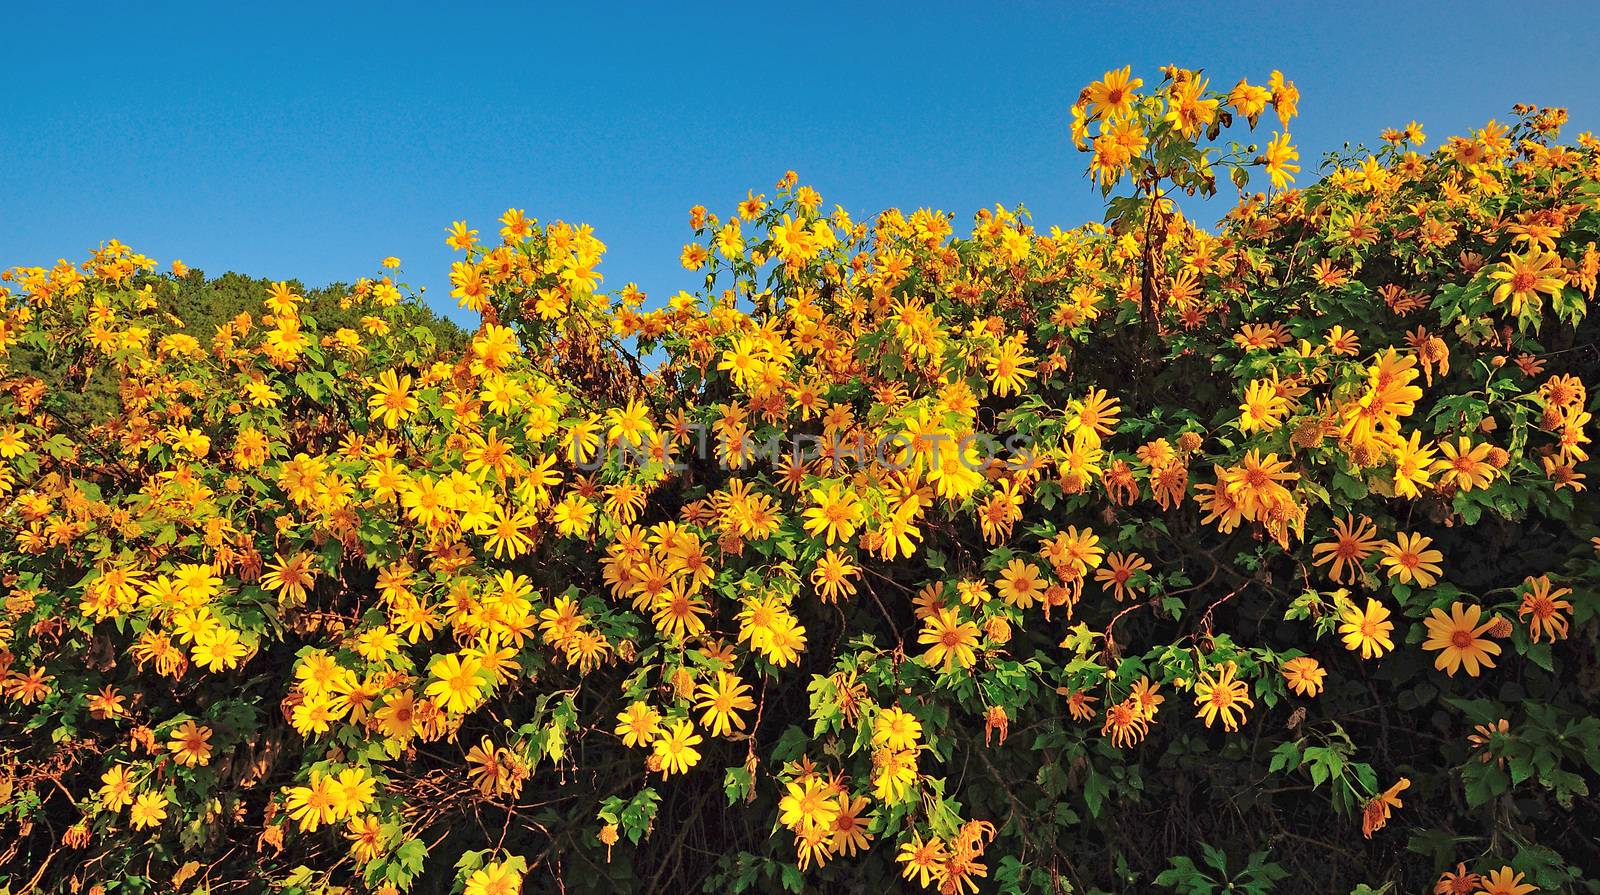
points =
(1134, 555)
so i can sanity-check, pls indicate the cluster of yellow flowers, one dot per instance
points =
(1042, 462)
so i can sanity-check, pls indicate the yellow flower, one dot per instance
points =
(366, 838)
(949, 640)
(1304, 675)
(1222, 696)
(457, 682)
(1525, 278)
(1263, 407)
(894, 773)
(675, 749)
(836, 514)
(1020, 584)
(508, 533)
(896, 728)
(784, 641)
(1111, 97)
(1408, 559)
(722, 702)
(191, 744)
(1188, 109)
(148, 810)
(495, 878)
(808, 803)
(1412, 464)
(1367, 630)
(116, 788)
(311, 806)
(460, 238)
(351, 792)
(834, 576)
(573, 515)
(1459, 639)
(197, 583)
(1249, 100)
(1505, 881)
(393, 402)
(1009, 366)
(638, 724)
(1464, 464)
(1279, 158)
(924, 860)
(1096, 417)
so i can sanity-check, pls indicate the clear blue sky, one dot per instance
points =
(312, 141)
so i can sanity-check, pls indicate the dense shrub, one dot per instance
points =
(1135, 556)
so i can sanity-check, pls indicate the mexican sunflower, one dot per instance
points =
(1222, 696)
(949, 639)
(1376, 813)
(1541, 609)
(1505, 881)
(722, 702)
(808, 803)
(675, 750)
(1367, 630)
(1304, 675)
(1459, 639)
(1408, 559)
(1353, 541)
(1464, 464)
(1523, 279)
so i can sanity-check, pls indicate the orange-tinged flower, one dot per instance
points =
(1459, 639)
(1367, 630)
(1126, 723)
(1304, 675)
(1119, 572)
(1458, 882)
(1409, 559)
(1525, 279)
(1542, 609)
(1377, 812)
(1112, 96)
(1505, 881)
(1464, 464)
(950, 640)
(1353, 541)
(1220, 695)
(191, 744)
(676, 749)
(290, 577)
